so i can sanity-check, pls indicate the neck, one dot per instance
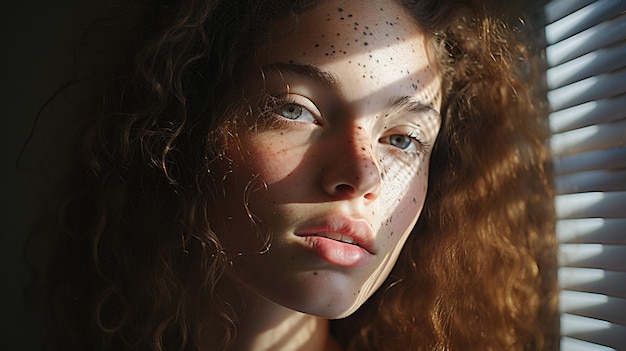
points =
(265, 325)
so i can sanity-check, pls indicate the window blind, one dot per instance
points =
(586, 81)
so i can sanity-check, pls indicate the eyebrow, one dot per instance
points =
(331, 81)
(409, 104)
(326, 78)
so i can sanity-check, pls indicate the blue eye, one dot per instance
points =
(405, 142)
(400, 141)
(295, 112)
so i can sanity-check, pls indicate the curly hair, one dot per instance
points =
(138, 266)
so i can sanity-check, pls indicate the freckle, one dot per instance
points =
(314, 273)
(317, 45)
(338, 34)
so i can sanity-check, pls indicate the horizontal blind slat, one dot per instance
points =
(593, 280)
(588, 65)
(593, 112)
(556, 10)
(593, 88)
(592, 138)
(593, 305)
(601, 35)
(589, 161)
(593, 331)
(609, 257)
(571, 344)
(599, 180)
(585, 205)
(592, 231)
(582, 19)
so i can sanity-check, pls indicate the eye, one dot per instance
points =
(291, 111)
(295, 112)
(400, 141)
(405, 142)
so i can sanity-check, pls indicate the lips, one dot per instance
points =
(340, 240)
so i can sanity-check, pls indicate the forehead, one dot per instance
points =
(378, 42)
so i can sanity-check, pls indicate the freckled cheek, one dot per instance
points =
(405, 192)
(273, 158)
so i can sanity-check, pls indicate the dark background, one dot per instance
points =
(39, 41)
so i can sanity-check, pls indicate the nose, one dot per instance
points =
(352, 171)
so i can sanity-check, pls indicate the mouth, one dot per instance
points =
(341, 229)
(338, 237)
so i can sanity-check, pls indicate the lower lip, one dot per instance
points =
(336, 252)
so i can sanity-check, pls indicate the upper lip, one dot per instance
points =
(356, 229)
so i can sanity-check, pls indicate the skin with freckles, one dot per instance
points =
(344, 114)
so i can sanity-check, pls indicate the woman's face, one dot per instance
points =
(330, 173)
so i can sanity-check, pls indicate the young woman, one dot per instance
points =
(258, 181)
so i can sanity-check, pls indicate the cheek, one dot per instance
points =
(404, 190)
(273, 156)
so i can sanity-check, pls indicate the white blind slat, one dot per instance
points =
(598, 332)
(588, 65)
(582, 19)
(595, 137)
(589, 89)
(592, 112)
(601, 180)
(593, 280)
(604, 34)
(556, 10)
(609, 257)
(593, 305)
(589, 161)
(590, 205)
(570, 344)
(592, 231)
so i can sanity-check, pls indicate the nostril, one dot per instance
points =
(344, 188)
